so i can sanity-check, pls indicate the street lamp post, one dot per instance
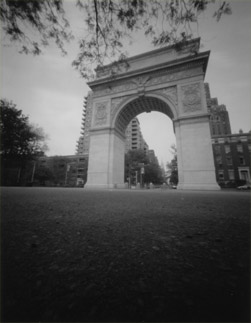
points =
(142, 171)
(68, 167)
(33, 172)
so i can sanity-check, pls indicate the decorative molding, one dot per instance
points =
(140, 83)
(115, 104)
(141, 80)
(170, 92)
(101, 113)
(171, 76)
(191, 97)
(112, 89)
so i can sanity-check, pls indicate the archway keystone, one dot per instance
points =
(168, 80)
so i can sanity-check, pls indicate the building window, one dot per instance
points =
(221, 175)
(244, 174)
(217, 149)
(231, 174)
(242, 160)
(227, 149)
(229, 160)
(219, 161)
(239, 148)
(249, 148)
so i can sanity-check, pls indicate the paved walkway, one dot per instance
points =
(71, 255)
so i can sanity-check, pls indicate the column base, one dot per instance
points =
(196, 186)
(105, 186)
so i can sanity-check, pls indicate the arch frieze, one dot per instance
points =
(149, 80)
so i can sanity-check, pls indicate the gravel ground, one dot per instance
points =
(71, 255)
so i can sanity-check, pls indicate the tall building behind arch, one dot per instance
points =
(219, 118)
(83, 143)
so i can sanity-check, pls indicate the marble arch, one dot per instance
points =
(169, 80)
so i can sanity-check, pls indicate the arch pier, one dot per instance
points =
(169, 80)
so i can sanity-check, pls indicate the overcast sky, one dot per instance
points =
(51, 92)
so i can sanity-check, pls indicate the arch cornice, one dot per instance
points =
(171, 76)
(200, 59)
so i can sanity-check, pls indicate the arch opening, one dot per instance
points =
(157, 130)
(138, 106)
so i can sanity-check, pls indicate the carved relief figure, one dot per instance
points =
(191, 97)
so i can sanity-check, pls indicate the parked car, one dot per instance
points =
(244, 187)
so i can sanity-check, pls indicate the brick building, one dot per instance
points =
(231, 151)
(232, 158)
(65, 170)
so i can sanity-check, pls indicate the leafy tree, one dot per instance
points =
(173, 166)
(44, 17)
(133, 162)
(133, 159)
(19, 139)
(153, 174)
(108, 24)
(43, 174)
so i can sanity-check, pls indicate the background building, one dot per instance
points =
(83, 141)
(219, 118)
(231, 151)
(134, 137)
(232, 159)
(61, 171)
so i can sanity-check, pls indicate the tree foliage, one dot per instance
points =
(108, 24)
(173, 166)
(19, 139)
(153, 174)
(43, 174)
(134, 161)
(45, 17)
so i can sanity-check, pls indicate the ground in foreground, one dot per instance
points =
(72, 255)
